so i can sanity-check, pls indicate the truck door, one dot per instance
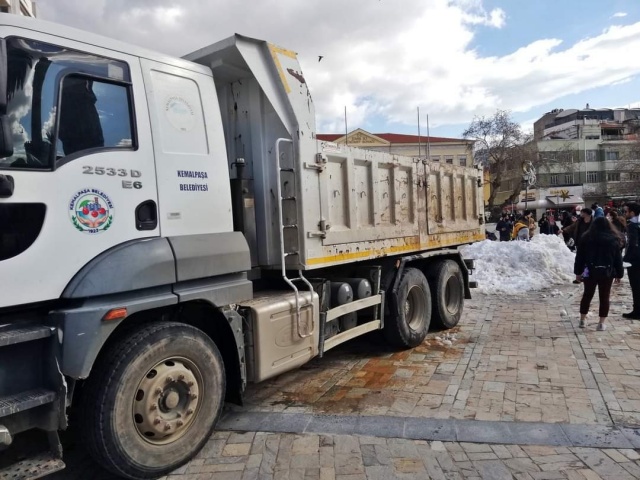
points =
(190, 150)
(81, 178)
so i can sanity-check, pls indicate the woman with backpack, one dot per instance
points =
(598, 262)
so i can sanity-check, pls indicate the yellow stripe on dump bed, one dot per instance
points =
(432, 244)
(275, 51)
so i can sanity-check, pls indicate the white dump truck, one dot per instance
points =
(171, 229)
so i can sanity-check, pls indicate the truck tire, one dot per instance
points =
(410, 315)
(153, 400)
(447, 285)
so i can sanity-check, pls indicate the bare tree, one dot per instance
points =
(502, 147)
(562, 159)
(628, 169)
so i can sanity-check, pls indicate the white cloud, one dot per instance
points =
(379, 60)
(619, 15)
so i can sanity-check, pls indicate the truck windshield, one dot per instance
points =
(35, 72)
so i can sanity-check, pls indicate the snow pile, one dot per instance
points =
(518, 267)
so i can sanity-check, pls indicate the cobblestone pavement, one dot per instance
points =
(513, 358)
(244, 456)
(514, 361)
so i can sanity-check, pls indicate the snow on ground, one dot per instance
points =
(518, 267)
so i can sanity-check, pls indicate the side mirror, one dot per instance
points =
(6, 141)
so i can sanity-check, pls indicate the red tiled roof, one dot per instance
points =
(393, 138)
(329, 137)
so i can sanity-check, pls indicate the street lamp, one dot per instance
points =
(529, 179)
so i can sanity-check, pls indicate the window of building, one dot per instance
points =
(592, 155)
(613, 176)
(634, 176)
(4, 9)
(592, 177)
(553, 179)
(81, 102)
(462, 159)
(568, 178)
(435, 158)
(448, 159)
(612, 155)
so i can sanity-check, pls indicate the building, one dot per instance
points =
(19, 7)
(447, 150)
(597, 150)
(457, 151)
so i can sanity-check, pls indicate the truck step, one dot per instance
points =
(33, 467)
(25, 400)
(24, 334)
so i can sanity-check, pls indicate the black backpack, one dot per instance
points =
(600, 262)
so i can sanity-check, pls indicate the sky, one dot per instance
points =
(454, 60)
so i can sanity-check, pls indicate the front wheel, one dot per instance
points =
(153, 400)
(410, 316)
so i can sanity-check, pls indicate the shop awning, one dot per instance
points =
(571, 201)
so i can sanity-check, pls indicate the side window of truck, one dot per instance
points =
(94, 114)
(64, 103)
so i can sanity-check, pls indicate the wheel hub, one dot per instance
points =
(414, 307)
(167, 400)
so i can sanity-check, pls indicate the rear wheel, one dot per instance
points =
(153, 400)
(447, 286)
(410, 316)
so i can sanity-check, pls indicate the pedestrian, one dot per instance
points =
(521, 229)
(577, 228)
(620, 224)
(632, 256)
(543, 224)
(598, 261)
(504, 227)
(531, 221)
(553, 228)
(597, 210)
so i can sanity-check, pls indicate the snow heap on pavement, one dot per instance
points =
(518, 267)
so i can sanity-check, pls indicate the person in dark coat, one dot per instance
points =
(598, 261)
(504, 227)
(632, 256)
(566, 222)
(577, 229)
(543, 224)
(620, 224)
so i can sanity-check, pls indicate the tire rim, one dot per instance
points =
(452, 295)
(167, 400)
(415, 308)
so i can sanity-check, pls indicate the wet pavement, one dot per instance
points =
(516, 391)
(510, 359)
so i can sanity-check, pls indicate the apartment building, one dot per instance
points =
(597, 150)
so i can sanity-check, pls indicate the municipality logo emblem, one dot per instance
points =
(91, 211)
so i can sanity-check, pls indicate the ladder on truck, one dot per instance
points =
(284, 252)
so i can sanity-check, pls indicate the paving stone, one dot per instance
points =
(496, 470)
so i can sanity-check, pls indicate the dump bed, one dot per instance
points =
(317, 203)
